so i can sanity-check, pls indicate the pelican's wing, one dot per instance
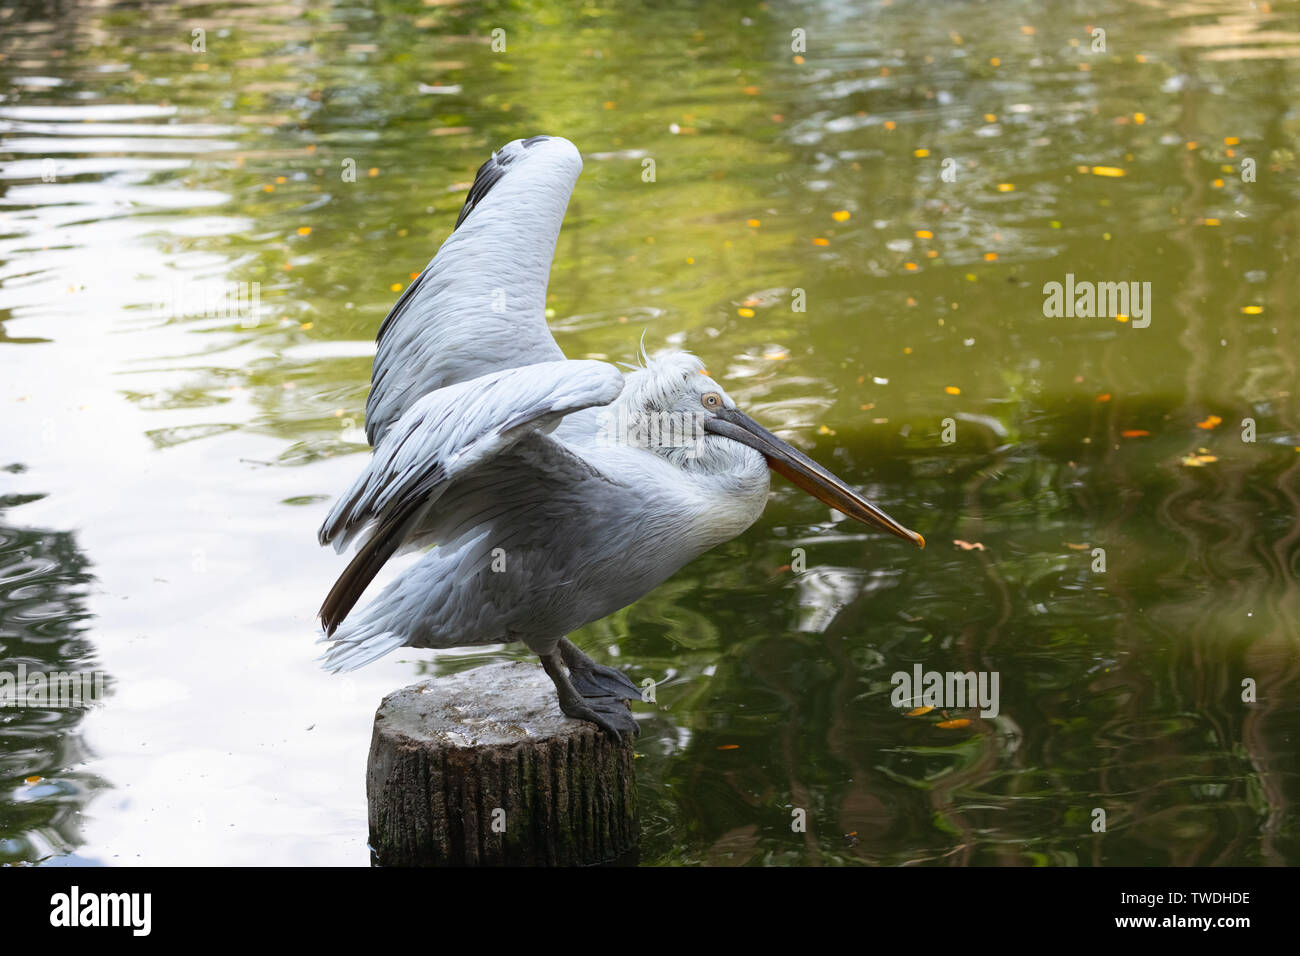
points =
(480, 305)
(443, 437)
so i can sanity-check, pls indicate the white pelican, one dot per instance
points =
(550, 494)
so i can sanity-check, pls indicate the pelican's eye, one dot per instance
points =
(711, 400)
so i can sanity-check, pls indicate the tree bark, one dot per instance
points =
(480, 768)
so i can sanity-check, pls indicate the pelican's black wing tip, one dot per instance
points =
(490, 173)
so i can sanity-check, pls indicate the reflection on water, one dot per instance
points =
(43, 788)
(855, 238)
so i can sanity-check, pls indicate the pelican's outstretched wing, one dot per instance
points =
(442, 437)
(480, 305)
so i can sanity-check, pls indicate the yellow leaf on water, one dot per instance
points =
(1107, 171)
(919, 711)
(957, 724)
(841, 215)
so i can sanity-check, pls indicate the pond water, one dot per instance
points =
(853, 213)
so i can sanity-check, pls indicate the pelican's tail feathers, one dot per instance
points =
(358, 648)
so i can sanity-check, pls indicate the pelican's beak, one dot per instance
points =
(785, 459)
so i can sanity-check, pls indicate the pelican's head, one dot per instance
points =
(675, 409)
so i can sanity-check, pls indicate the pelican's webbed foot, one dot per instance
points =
(595, 680)
(608, 713)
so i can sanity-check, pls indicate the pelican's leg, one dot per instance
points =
(608, 713)
(595, 680)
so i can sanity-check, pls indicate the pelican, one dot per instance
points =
(540, 488)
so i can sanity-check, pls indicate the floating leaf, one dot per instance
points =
(968, 545)
(957, 724)
(919, 711)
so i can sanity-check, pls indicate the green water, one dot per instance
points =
(165, 468)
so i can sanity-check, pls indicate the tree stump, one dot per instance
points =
(481, 768)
